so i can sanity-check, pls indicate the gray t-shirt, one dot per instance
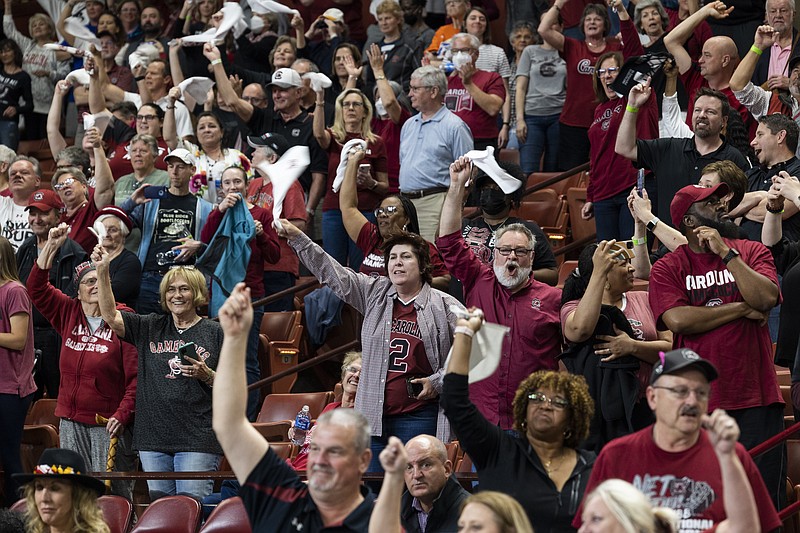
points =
(173, 412)
(547, 80)
(124, 187)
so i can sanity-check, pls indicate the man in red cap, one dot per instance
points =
(44, 212)
(715, 293)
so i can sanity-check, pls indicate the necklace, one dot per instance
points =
(548, 464)
(595, 45)
(181, 330)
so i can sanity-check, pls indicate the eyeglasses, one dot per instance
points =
(537, 398)
(609, 70)
(64, 184)
(682, 393)
(146, 118)
(466, 50)
(354, 105)
(389, 210)
(519, 252)
(253, 100)
(412, 88)
(353, 369)
(91, 282)
(185, 267)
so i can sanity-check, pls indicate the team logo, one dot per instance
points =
(714, 302)
(174, 368)
(38, 196)
(536, 303)
(585, 67)
(296, 132)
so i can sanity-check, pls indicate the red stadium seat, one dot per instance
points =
(229, 517)
(117, 512)
(170, 514)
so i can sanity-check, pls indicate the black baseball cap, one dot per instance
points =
(675, 360)
(275, 141)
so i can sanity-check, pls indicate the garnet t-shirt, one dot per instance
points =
(459, 101)
(581, 100)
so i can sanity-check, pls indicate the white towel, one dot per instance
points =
(319, 81)
(270, 6)
(283, 173)
(232, 19)
(197, 87)
(78, 29)
(349, 145)
(68, 49)
(484, 160)
(143, 55)
(78, 77)
(487, 345)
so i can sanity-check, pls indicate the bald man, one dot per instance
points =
(717, 62)
(433, 497)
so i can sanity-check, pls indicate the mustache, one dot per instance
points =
(322, 468)
(690, 411)
(512, 263)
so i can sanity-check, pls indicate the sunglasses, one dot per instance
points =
(389, 210)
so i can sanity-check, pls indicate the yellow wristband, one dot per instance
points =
(216, 61)
(756, 50)
(637, 242)
(630, 109)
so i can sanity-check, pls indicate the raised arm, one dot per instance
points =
(243, 445)
(104, 180)
(322, 135)
(676, 38)
(385, 92)
(450, 221)
(105, 294)
(765, 38)
(61, 23)
(785, 190)
(240, 107)
(170, 128)
(580, 323)
(551, 36)
(385, 516)
(626, 136)
(175, 70)
(54, 137)
(352, 217)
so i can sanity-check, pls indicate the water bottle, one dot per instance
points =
(166, 258)
(302, 423)
(447, 67)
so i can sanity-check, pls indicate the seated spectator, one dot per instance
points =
(98, 370)
(353, 118)
(617, 503)
(541, 465)
(15, 85)
(395, 215)
(351, 372)
(495, 208)
(126, 271)
(184, 443)
(45, 67)
(596, 295)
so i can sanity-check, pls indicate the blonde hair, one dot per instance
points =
(193, 278)
(632, 509)
(47, 20)
(338, 130)
(86, 514)
(390, 7)
(349, 357)
(508, 514)
(8, 261)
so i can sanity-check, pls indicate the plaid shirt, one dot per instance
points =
(374, 298)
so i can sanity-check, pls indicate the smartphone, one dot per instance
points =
(188, 350)
(640, 181)
(413, 389)
(154, 192)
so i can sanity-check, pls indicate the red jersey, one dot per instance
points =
(581, 101)
(407, 359)
(740, 349)
(458, 100)
(81, 221)
(376, 158)
(370, 241)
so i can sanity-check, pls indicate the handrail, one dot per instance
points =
(574, 245)
(228, 474)
(305, 364)
(555, 179)
(285, 292)
(767, 445)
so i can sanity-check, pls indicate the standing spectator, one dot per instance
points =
(773, 69)
(541, 88)
(16, 364)
(43, 215)
(714, 294)
(429, 142)
(440, 44)
(401, 55)
(126, 271)
(415, 22)
(129, 13)
(6, 156)
(576, 117)
(521, 37)
(16, 97)
(151, 24)
(143, 152)
(24, 177)
(98, 370)
(44, 66)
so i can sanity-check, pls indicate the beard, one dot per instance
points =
(725, 226)
(510, 281)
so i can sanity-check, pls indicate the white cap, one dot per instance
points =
(285, 78)
(183, 154)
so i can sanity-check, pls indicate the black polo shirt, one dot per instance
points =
(277, 501)
(760, 179)
(298, 132)
(676, 163)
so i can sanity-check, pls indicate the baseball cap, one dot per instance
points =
(183, 154)
(45, 200)
(275, 141)
(115, 211)
(675, 360)
(334, 15)
(285, 78)
(793, 63)
(690, 194)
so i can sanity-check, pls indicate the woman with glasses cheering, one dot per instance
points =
(395, 215)
(98, 370)
(539, 463)
(352, 121)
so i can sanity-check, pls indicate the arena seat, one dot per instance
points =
(35, 440)
(43, 412)
(280, 337)
(170, 514)
(229, 517)
(117, 512)
(284, 407)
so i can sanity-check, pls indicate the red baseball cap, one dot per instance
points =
(690, 194)
(45, 200)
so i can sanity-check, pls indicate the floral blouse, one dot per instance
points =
(206, 183)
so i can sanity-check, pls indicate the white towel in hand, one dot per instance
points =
(484, 160)
(319, 81)
(197, 87)
(487, 346)
(283, 173)
(270, 6)
(352, 143)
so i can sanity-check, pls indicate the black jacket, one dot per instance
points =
(761, 72)
(443, 518)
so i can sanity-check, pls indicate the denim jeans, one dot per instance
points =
(405, 427)
(179, 462)
(337, 243)
(612, 218)
(149, 294)
(542, 138)
(9, 133)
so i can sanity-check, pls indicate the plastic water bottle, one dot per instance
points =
(302, 423)
(447, 66)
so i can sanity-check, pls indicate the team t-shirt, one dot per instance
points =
(80, 222)
(459, 101)
(581, 101)
(370, 241)
(14, 222)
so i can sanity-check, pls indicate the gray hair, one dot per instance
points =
(6, 154)
(350, 418)
(519, 228)
(432, 77)
(474, 42)
(644, 4)
(75, 156)
(791, 4)
(148, 140)
(523, 25)
(312, 67)
(75, 172)
(99, 228)
(37, 168)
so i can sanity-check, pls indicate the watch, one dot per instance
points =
(732, 253)
(651, 226)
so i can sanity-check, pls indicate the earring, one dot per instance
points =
(607, 286)
(567, 434)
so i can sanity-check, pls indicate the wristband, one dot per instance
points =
(139, 78)
(775, 211)
(506, 123)
(756, 50)
(630, 109)
(379, 78)
(465, 330)
(217, 61)
(170, 107)
(637, 242)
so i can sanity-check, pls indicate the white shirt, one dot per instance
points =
(14, 222)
